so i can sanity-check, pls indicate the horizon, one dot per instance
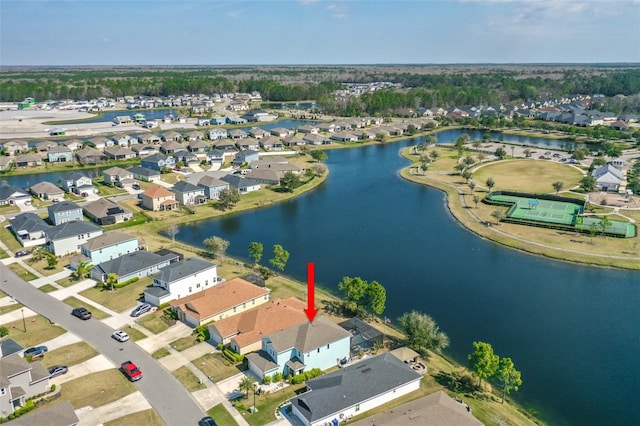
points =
(317, 32)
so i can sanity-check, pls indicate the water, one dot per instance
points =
(451, 136)
(572, 330)
(148, 113)
(25, 181)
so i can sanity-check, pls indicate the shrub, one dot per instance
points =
(203, 332)
(53, 387)
(266, 380)
(163, 305)
(278, 377)
(4, 331)
(126, 283)
(220, 346)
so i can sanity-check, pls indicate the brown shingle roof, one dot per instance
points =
(157, 192)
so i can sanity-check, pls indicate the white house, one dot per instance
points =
(67, 238)
(181, 279)
(608, 178)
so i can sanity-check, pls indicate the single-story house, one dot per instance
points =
(248, 144)
(170, 147)
(29, 229)
(316, 139)
(281, 132)
(199, 146)
(100, 142)
(186, 157)
(67, 238)
(15, 147)
(119, 153)
(29, 160)
(265, 176)
(138, 264)
(90, 156)
(272, 143)
(158, 198)
(246, 156)
(144, 174)
(221, 301)
(6, 163)
(194, 135)
(237, 134)
(226, 145)
(145, 150)
(608, 178)
(46, 191)
(10, 194)
(243, 185)
(103, 211)
(172, 136)
(109, 246)
(149, 139)
(258, 133)
(181, 279)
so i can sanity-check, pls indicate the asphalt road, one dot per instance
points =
(172, 401)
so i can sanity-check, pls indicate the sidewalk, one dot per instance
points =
(93, 365)
(130, 404)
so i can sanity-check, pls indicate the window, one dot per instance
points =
(190, 289)
(244, 305)
(234, 308)
(198, 285)
(318, 350)
(357, 407)
(206, 282)
(3, 391)
(327, 346)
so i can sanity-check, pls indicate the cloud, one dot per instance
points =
(338, 10)
(306, 2)
(235, 14)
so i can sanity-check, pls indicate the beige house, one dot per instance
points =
(19, 381)
(158, 198)
(225, 300)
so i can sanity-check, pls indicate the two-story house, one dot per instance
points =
(158, 198)
(118, 176)
(78, 183)
(109, 246)
(19, 381)
(64, 211)
(320, 344)
(67, 238)
(212, 186)
(181, 279)
(189, 194)
(157, 162)
(59, 154)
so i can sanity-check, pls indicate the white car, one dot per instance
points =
(120, 336)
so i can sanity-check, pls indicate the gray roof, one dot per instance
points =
(435, 409)
(144, 171)
(177, 271)
(103, 207)
(116, 171)
(607, 168)
(63, 206)
(210, 181)
(238, 182)
(71, 229)
(308, 336)
(155, 158)
(29, 222)
(75, 176)
(344, 388)
(8, 347)
(62, 414)
(12, 365)
(107, 239)
(184, 187)
(45, 187)
(156, 291)
(132, 263)
(7, 191)
(262, 360)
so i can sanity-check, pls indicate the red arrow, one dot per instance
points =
(311, 311)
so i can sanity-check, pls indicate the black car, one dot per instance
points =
(58, 370)
(81, 313)
(207, 421)
(22, 253)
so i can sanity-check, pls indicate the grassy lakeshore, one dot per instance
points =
(552, 243)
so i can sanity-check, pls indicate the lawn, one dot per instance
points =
(184, 343)
(148, 417)
(266, 405)
(9, 239)
(97, 389)
(189, 380)
(120, 299)
(134, 333)
(8, 308)
(68, 281)
(47, 288)
(43, 268)
(72, 354)
(137, 219)
(9, 208)
(222, 416)
(22, 272)
(3, 254)
(214, 365)
(533, 176)
(161, 353)
(95, 312)
(153, 322)
(39, 330)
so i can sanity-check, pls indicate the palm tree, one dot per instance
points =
(112, 280)
(39, 253)
(490, 183)
(246, 385)
(82, 271)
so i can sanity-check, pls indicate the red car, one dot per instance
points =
(131, 370)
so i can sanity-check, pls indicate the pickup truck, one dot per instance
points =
(131, 370)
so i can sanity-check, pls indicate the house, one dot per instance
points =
(243, 185)
(90, 156)
(194, 135)
(245, 157)
(278, 163)
(198, 146)
(265, 176)
(608, 178)
(291, 141)
(67, 238)
(73, 144)
(435, 409)
(244, 332)
(237, 134)
(189, 194)
(45, 146)
(316, 139)
(172, 136)
(118, 176)
(344, 137)
(221, 301)
(355, 389)
(149, 139)
(101, 142)
(170, 147)
(61, 414)
(15, 147)
(122, 139)
(119, 153)
(64, 211)
(215, 156)
(104, 211)
(302, 347)
(109, 246)
(10, 194)
(309, 129)
(185, 157)
(28, 160)
(78, 183)
(157, 162)
(138, 264)
(59, 154)
(270, 143)
(144, 174)
(212, 186)
(258, 133)
(226, 145)
(19, 382)
(158, 198)
(144, 150)
(217, 133)
(218, 121)
(29, 229)
(281, 132)
(6, 163)
(123, 119)
(181, 279)
(9, 346)
(46, 191)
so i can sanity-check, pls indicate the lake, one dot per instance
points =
(573, 330)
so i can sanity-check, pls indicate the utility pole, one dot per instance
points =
(24, 323)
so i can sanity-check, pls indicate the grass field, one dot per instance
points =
(148, 417)
(161, 353)
(188, 379)
(120, 299)
(9, 239)
(153, 322)
(74, 302)
(8, 308)
(533, 176)
(215, 367)
(97, 389)
(39, 330)
(72, 354)
(222, 416)
(47, 288)
(184, 343)
(22, 272)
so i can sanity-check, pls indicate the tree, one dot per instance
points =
(423, 333)
(501, 153)
(82, 271)
(4, 331)
(318, 169)
(424, 166)
(498, 214)
(172, 231)
(52, 260)
(472, 185)
(246, 385)
(433, 154)
(39, 253)
(476, 199)
(217, 246)
(508, 377)
(228, 198)
(255, 251)
(588, 183)
(604, 223)
(112, 280)
(580, 153)
(468, 161)
(490, 183)
(482, 361)
(319, 155)
(466, 175)
(558, 185)
(376, 298)
(527, 152)
(280, 257)
(354, 289)
(290, 181)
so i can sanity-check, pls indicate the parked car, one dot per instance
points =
(141, 309)
(135, 186)
(22, 253)
(36, 351)
(120, 336)
(131, 370)
(81, 313)
(58, 370)
(207, 421)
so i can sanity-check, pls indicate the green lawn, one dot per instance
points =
(95, 312)
(137, 219)
(189, 380)
(97, 389)
(153, 322)
(39, 330)
(3, 254)
(134, 333)
(22, 272)
(47, 288)
(161, 353)
(8, 308)
(148, 417)
(184, 343)
(120, 299)
(266, 404)
(68, 281)
(214, 365)
(222, 416)
(9, 239)
(72, 354)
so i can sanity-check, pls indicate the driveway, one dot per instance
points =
(172, 401)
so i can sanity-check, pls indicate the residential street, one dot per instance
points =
(172, 401)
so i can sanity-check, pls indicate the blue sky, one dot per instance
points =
(237, 32)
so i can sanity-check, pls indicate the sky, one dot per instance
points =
(303, 32)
